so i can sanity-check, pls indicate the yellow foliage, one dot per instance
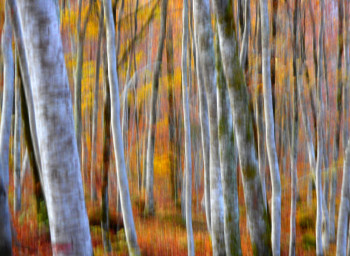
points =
(161, 164)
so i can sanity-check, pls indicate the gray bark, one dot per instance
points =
(206, 59)
(5, 225)
(62, 181)
(187, 130)
(228, 162)
(129, 225)
(149, 207)
(257, 216)
(7, 102)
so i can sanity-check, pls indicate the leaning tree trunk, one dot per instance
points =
(206, 61)
(129, 225)
(149, 206)
(270, 132)
(62, 183)
(187, 130)
(7, 101)
(257, 215)
(95, 110)
(17, 143)
(228, 162)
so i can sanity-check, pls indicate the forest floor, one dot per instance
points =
(165, 232)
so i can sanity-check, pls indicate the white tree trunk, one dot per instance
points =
(258, 223)
(129, 225)
(228, 162)
(70, 234)
(206, 58)
(7, 101)
(187, 130)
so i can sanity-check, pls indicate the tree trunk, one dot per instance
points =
(17, 143)
(129, 225)
(337, 123)
(95, 110)
(206, 60)
(187, 130)
(257, 216)
(228, 162)
(270, 132)
(149, 206)
(106, 157)
(7, 102)
(62, 181)
(5, 222)
(79, 74)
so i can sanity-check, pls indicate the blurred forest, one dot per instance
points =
(156, 127)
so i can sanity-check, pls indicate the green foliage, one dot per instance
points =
(306, 221)
(43, 218)
(309, 241)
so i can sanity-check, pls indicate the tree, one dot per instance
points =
(5, 226)
(60, 164)
(257, 215)
(149, 207)
(206, 59)
(7, 102)
(117, 133)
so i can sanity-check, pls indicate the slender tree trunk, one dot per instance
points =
(228, 162)
(7, 102)
(206, 60)
(79, 73)
(17, 143)
(270, 132)
(257, 215)
(95, 110)
(106, 157)
(129, 225)
(337, 123)
(187, 130)
(149, 206)
(319, 195)
(62, 181)
(204, 123)
(172, 109)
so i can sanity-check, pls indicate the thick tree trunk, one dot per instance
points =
(95, 110)
(206, 61)
(228, 162)
(205, 137)
(187, 130)
(129, 225)
(257, 216)
(7, 102)
(149, 206)
(52, 103)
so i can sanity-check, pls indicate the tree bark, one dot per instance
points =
(228, 162)
(5, 224)
(187, 130)
(206, 60)
(53, 111)
(149, 207)
(117, 134)
(7, 102)
(257, 216)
